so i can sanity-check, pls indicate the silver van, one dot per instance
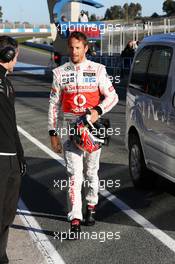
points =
(150, 110)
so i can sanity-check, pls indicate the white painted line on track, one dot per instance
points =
(46, 248)
(139, 219)
(30, 68)
(29, 213)
(42, 146)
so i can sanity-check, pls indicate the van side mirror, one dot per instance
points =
(174, 100)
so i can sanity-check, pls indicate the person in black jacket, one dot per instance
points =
(129, 50)
(12, 163)
(127, 56)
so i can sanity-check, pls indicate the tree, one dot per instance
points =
(107, 14)
(26, 23)
(154, 15)
(1, 14)
(169, 7)
(134, 10)
(138, 9)
(114, 12)
(127, 11)
(93, 17)
(131, 11)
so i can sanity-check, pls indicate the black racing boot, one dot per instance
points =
(90, 215)
(4, 259)
(75, 229)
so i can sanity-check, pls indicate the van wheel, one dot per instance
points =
(140, 175)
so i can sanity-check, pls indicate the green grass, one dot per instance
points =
(23, 39)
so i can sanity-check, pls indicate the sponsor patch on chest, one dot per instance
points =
(89, 74)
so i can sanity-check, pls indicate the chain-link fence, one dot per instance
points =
(10, 25)
(115, 36)
(114, 40)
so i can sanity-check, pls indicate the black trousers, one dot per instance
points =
(10, 182)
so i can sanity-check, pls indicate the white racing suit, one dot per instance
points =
(75, 88)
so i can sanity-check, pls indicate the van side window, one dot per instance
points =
(158, 70)
(139, 71)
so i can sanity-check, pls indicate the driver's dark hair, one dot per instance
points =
(7, 41)
(79, 36)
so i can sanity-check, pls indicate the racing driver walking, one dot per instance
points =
(78, 85)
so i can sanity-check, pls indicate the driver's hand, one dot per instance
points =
(56, 144)
(94, 115)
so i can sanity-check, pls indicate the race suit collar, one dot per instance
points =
(78, 64)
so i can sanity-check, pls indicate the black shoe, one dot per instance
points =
(4, 259)
(90, 216)
(75, 229)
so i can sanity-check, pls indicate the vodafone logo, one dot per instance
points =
(79, 100)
